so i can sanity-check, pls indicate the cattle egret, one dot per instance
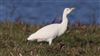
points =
(49, 32)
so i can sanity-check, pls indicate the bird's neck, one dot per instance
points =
(64, 19)
(63, 24)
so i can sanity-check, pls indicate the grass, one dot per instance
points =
(77, 41)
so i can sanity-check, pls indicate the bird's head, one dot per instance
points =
(68, 10)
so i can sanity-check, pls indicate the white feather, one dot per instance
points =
(49, 32)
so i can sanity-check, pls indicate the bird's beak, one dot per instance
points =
(72, 8)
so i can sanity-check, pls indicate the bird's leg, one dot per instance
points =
(50, 41)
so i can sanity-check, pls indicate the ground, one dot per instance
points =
(76, 41)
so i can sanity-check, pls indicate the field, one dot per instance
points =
(76, 41)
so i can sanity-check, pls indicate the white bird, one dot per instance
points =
(49, 32)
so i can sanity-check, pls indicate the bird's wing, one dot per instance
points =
(48, 31)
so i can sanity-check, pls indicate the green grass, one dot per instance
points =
(77, 41)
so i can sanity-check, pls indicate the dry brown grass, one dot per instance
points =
(77, 41)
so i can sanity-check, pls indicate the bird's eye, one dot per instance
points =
(67, 9)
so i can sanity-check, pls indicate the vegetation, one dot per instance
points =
(77, 41)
